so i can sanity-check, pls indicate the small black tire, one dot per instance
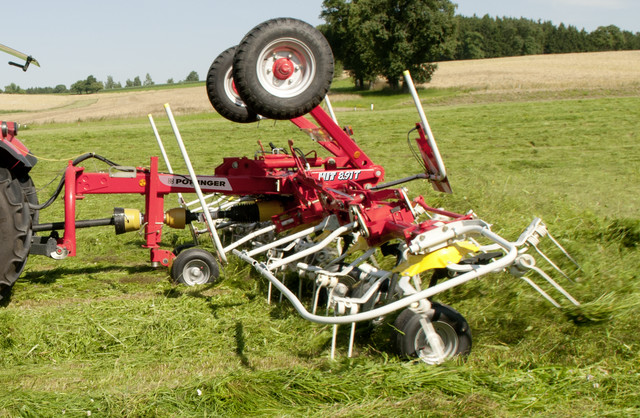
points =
(222, 92)
(283, 68)
(15, 227)
(195, 266)
(448, 323)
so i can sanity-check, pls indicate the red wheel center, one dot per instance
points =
(283, 68)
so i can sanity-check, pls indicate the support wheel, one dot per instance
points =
(195, 266)
(222, 90)
(15, 228)
(283, 68)
(452, 328)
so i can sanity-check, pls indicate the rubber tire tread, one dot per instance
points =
(190, 254)
(15, 227)
(407, 327)
(215, 90)
(246, 78)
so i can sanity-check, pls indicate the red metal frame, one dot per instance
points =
(309, 187)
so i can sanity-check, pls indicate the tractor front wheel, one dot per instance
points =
(195, 266)
(15, 228)
(448, 323)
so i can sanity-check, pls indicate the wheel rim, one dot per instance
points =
(449, 339)
(196, 272)
(286, 67)
(230, 89)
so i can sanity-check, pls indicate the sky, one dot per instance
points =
(73, 39)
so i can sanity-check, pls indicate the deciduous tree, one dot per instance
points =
(90, 85)
(386, 37)
(192, 77)
(148, 81)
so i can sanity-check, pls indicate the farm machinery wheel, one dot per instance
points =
(448, 323)
(283, 68)
(15, 226)
(222, 91)
(29, 190)
(195, 266)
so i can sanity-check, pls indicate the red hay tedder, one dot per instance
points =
(322, 217)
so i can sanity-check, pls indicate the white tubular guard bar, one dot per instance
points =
(459, 229)
(442, 173)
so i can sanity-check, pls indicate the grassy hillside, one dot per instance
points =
(105, 334)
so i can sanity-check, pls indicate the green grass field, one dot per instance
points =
(103, 334)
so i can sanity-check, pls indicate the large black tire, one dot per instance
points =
(15, 227)
(222, 92)
(195, 266)
(448, 323)
(283, 68)
(30, 193)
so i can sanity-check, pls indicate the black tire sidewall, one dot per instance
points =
(191, 254)
(246, 77)
(408, 323)
(16, 229)
(215, 84)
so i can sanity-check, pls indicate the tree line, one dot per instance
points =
(494, 37)
(92, 85)
(381, 38)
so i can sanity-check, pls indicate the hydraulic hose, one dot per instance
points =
(58, 190)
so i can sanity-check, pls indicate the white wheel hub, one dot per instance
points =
(286, 67)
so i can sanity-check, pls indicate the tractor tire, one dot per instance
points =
(30, 193)
(195, 266)
(448, 323)
(222, 92)
(15, 227)
(283, 68)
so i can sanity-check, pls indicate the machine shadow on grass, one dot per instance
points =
(52, 275)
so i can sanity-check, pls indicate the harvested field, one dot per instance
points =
(609, 72)
(598, 70)
(48, 108)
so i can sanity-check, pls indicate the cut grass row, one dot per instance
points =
(105, 333)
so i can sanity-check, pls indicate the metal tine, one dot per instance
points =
(558, 269)
(565, 252)
(542, 231)
(284, 277)
(352, 337)
(333, 341)
(316, 295)
(555, 284)
(542, 292)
